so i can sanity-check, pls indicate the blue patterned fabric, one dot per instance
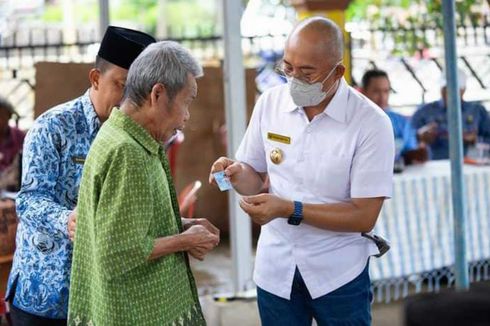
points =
(54, 152)
(475, 119)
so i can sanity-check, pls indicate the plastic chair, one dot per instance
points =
(187, 198)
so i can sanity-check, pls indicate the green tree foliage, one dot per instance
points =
(185, 18)
(412, 13)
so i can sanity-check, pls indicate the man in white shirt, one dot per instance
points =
(328, 153)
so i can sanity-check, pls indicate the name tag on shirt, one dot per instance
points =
(78, 159)
(279, 138)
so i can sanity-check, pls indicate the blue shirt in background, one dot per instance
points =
(475, 119)
(405, 135)
(54, 152)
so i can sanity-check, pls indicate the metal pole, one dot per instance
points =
(103, 17)
(455, 146)
(235, 104)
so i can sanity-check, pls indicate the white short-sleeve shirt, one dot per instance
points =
(345, 152)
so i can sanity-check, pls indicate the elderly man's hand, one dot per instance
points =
(72, 223)
(231, 168)
(263, 208)
(200, 240)
(188, 222)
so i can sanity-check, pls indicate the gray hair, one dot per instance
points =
(164, 62)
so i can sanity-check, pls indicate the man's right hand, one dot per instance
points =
(428, 133)
(72, 223)
(200, 241)
(232, 168)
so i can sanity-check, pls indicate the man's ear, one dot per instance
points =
(340, 70)
(158, 90)
(93, 76)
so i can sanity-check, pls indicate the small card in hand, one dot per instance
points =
(222, 180)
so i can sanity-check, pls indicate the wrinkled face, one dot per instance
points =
(173, 115)
(110, 89)
(378, 91)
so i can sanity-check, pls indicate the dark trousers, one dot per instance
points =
(347, 305)
(22, 318)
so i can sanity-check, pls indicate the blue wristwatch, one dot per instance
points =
(297, 216)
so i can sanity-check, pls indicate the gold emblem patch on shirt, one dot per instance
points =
(279, 138)
(78, 159)
(276, 156)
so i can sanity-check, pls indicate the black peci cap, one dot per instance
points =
(120, 46)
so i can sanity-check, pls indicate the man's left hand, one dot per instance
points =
(263, 208)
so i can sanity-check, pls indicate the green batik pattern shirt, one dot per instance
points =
(126, 201)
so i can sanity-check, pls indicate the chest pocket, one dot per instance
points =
(330, 174)
(284, 156)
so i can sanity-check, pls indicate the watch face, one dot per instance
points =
(294, 220)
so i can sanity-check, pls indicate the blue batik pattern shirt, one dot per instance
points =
(474, 118)
(54, 151)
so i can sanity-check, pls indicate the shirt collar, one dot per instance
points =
(335, 109)
(91, 117)
(136, 131)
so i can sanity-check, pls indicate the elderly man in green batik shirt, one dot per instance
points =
(130, 263)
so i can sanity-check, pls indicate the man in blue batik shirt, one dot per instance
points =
(54, 152)
(376, 86)
(430, 121)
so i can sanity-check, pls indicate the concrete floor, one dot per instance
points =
(213, 276)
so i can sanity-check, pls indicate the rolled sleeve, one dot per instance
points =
(372, 165)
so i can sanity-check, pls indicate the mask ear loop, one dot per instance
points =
(331, 71)
(338, 81)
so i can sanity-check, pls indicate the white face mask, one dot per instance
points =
(305, 94)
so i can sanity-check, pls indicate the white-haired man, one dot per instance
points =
(130, 263)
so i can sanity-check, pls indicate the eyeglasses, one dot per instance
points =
(285, 71)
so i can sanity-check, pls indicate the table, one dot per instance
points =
(418, 221)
